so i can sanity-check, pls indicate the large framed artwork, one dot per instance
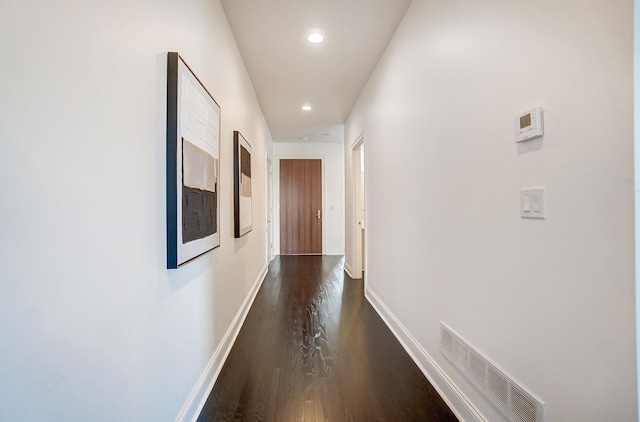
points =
(193, 162)
(242, 184)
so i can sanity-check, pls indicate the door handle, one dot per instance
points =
(318, 214)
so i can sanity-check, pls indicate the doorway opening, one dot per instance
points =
(359, 225)
(270, 248)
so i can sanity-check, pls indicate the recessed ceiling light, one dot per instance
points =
(306, 107)
(315, 38)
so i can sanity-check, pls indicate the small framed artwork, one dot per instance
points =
(242, 184)
(193, 165)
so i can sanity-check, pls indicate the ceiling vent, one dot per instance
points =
(506, 394)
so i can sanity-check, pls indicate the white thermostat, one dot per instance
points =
(529, 125)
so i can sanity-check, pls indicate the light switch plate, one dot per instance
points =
(532, 202)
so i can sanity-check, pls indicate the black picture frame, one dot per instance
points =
(242, 194)
(193, 165)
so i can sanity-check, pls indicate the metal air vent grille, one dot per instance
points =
(508, 396)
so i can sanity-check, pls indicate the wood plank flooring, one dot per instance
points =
(313, 349)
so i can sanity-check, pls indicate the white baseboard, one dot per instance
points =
(194, 404)
(348, 270)
(334, 253)
(455, 399)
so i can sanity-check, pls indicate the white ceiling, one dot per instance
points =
(288, 71)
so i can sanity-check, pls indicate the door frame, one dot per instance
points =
(357, 232)
(269, 203)
(636, 170)
(276, 193)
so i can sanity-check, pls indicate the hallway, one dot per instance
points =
(312, 348)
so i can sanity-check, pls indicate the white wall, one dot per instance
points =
(636, 102)
(552, 302)
(332, 155)
(93, 326)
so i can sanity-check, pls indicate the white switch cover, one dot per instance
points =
(532, 202)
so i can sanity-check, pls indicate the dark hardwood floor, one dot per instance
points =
(313, 349)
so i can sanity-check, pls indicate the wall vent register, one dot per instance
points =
(501, 390)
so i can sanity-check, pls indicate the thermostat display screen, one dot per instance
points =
(525, 121)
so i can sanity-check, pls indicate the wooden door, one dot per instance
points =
(301, 207)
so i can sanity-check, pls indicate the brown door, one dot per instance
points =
(301, 207)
